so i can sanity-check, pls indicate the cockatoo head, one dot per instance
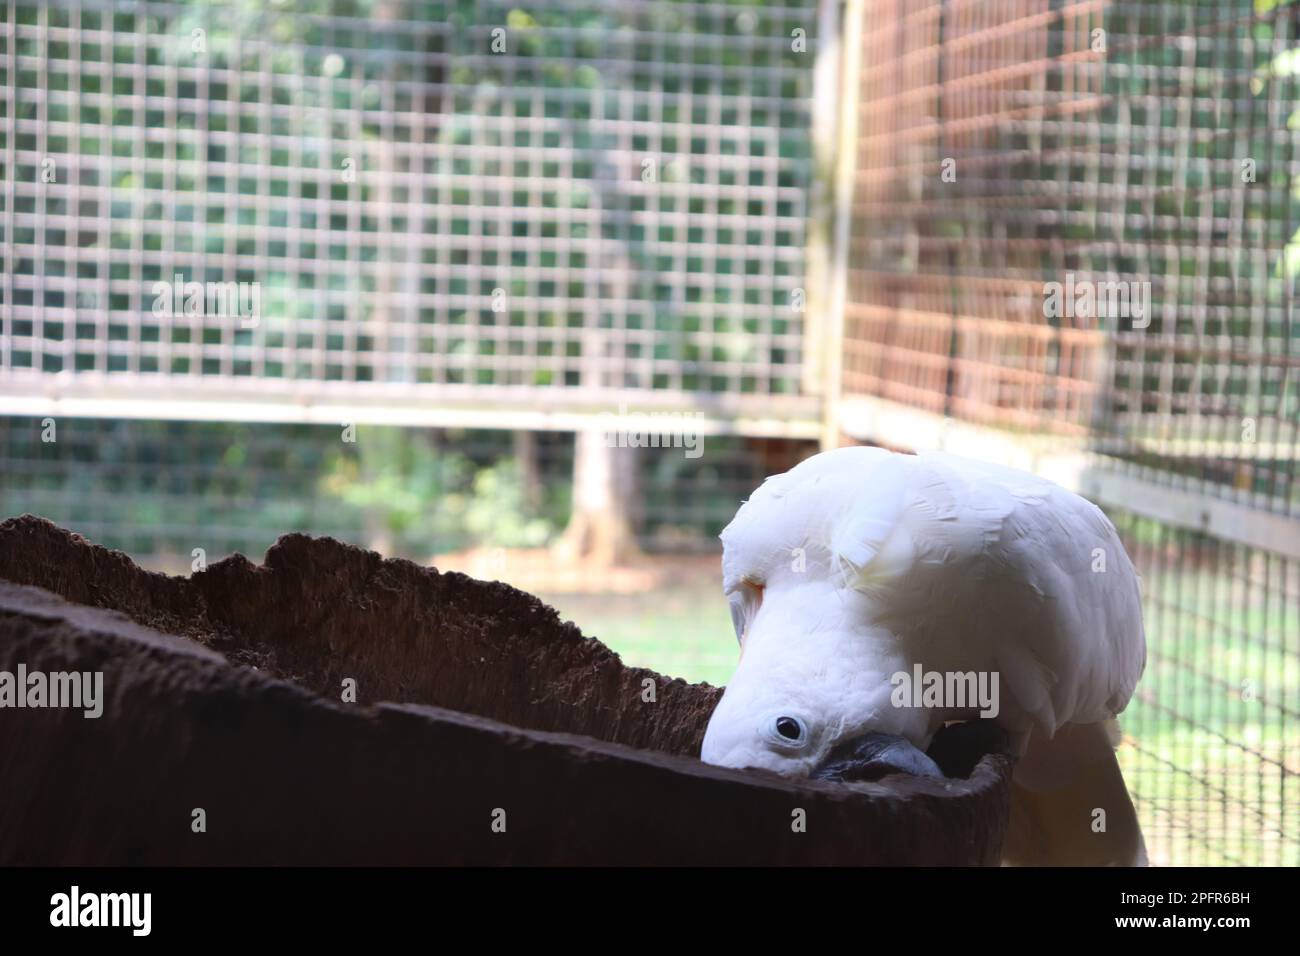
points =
(810, 696)
(778, 711)
(813, 676)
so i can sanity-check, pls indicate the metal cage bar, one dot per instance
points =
(461, 198)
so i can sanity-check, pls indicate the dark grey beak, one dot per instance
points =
(873, 756)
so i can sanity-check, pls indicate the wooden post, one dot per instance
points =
(845, 161)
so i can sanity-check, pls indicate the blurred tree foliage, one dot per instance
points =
(156, 488)
(410, 494)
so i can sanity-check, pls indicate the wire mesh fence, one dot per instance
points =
(224, 197)
(1210, 743)
(1079, 218)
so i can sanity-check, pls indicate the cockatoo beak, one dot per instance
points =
(873, 756)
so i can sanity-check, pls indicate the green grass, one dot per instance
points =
(680, 632)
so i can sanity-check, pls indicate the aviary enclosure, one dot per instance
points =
(1058, 235)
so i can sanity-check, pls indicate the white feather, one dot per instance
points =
(970, 566)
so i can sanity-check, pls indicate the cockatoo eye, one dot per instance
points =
(789, 728)
(787, 731)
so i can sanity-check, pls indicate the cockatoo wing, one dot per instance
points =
(973, 566)
(992, 568)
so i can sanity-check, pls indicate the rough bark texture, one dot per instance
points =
(491, 685)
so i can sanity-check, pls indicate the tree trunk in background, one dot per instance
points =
(525, 454)
(604, 483)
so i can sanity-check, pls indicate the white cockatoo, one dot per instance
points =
(860, 570)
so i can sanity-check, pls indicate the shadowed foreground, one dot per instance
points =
(223, 691)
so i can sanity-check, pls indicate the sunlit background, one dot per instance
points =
(477, 237)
